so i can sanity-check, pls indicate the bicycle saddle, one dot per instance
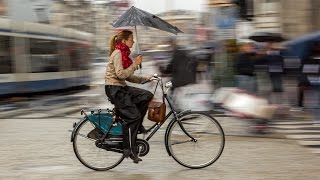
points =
(110, 100)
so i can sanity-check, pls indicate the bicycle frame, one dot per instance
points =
(157, 126)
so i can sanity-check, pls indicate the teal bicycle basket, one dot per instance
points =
(105, 123)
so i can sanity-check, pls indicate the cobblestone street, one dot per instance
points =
(41, 149)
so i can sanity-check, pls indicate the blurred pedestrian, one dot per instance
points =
(244, 68)
(131, 103)
(310, 74)
(303, 85)
(275, 64)
(180, 66)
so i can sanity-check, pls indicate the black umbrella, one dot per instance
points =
(266, 37)
(137, 17)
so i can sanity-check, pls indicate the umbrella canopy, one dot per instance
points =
(266, 37)
(137, 17)
(301, 47)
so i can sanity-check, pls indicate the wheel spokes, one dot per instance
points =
(182, 142)
(84, 136)
(205, 135)
(89, 154)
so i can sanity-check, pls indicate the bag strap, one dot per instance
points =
(156, 90)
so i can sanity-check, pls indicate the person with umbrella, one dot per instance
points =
(131, 103)
(273, 58)
(308, 79)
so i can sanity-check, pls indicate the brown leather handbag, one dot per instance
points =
(157, 110)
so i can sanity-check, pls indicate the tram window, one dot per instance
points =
(84, 57)
(5, 55)
(44, 56)
(79, 56)
(74, 54)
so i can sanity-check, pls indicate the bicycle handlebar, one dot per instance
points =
(146, 81)
(154, 77)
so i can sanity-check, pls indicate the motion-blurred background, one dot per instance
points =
(254, 64)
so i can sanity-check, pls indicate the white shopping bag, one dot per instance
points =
(221, 95)
(246, 104)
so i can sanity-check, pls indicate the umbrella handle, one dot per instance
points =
(138, 49)
(135, 29)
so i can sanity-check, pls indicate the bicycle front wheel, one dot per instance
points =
(196, 140)
(86, 150)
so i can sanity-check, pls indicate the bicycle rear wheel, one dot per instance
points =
(207, 145)
(86, 150)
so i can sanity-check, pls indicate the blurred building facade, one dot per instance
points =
(267, 15)
(102, 22)
(75, 14)
(3, 8)
(104, 14)
(291, 17)
(26, 10)
(300, 17)
(186, 21)
(223, 18)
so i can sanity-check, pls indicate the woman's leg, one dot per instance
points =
(131, 116)
(276, 81)
(141, 98)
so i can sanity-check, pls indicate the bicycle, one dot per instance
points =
(193, 139)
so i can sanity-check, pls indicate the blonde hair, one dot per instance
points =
(123, 35)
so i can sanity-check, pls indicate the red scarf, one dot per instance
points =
(125, 52)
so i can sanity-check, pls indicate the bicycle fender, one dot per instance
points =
(75, 126)
(169, 126)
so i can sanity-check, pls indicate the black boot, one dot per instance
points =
(135, 157)
(129, 147)
(126, 141)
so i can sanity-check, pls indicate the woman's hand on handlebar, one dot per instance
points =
(151, 78)
(147, 79)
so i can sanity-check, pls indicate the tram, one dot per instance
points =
(40, 57)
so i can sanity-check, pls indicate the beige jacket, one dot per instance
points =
(116, 75)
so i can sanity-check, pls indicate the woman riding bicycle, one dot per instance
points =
(131, 103)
